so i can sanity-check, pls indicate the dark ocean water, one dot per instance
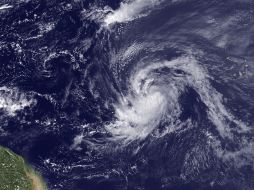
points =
(132, 95)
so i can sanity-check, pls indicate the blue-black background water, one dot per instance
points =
(142, 94)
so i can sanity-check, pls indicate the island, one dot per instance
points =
(15, 174)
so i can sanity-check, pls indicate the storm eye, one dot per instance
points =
(179, 72)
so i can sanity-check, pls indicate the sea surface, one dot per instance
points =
(131, 94)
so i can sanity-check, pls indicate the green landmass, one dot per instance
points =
(15, 174)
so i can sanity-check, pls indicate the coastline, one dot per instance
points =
(16, 173)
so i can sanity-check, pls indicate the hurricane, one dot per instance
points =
(130, 94)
